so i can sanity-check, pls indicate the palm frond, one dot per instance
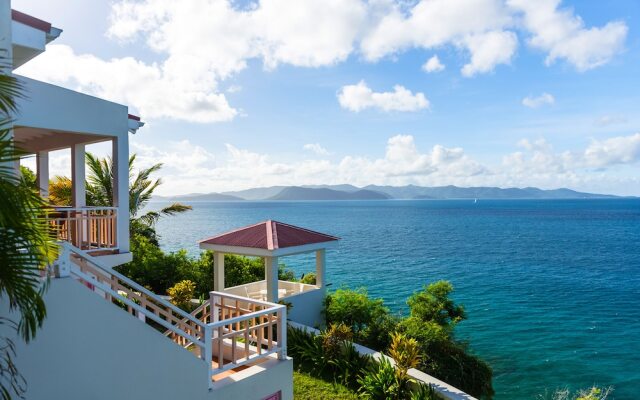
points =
(175, 208)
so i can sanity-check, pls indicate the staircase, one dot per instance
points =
(228, 333)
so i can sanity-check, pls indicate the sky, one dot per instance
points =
(240, 94)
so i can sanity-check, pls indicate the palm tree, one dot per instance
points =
(27, 244)
(99, 187)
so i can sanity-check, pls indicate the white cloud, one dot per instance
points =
(563, 35)
(607, 120)
(360, 97)
(316, 148)
(538, 101)
(151, 89)
(433, 65)
(190, 168)
(612, 151)
(477, 26)
(198, 44)
(488, 50)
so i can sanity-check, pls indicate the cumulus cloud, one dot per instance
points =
(316, 148)
(153, 90)
(488, 50)
(433, 65)
(359, 97)
(536, 163)
(538, 101)
(198, 44)
(563, 35)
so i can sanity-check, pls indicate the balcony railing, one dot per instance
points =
(226, 331)
(87, 228)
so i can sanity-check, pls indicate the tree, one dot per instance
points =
(27, 244)
(99, 189)
(434, 305)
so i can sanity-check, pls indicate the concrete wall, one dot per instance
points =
(91, 349)
(306, 308)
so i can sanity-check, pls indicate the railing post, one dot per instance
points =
(62, 266)
(208, 352)
(282, 333)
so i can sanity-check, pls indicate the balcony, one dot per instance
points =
(87, 228)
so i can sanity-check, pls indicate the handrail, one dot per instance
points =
(83, 254)
(83, 208)
(234, 330)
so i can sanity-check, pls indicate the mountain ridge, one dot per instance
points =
(379, 192)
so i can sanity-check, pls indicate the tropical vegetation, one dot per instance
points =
(26, 246)
(331, 356)
(431, 323)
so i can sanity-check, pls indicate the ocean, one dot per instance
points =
(551, 287)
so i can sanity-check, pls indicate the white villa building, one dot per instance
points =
(107, 337)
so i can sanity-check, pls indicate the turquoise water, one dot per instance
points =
(552, 288)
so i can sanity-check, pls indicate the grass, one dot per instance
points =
(307, 387)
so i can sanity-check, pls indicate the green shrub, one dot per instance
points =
(182, 293)
(334, 338)
(153, 268)
(379, 382)
(368, 319)
(309, 278)
(434, 305)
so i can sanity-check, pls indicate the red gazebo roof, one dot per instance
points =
(269, 235)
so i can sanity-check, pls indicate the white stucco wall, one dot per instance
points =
(306, 308)
(91, 349)
(54, 108)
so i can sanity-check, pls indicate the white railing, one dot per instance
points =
(244, 330)
(238, 332)
(87, 228)
(258, 290)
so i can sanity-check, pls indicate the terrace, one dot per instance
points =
(271, 240)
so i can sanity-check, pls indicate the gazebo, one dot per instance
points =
(272, 240)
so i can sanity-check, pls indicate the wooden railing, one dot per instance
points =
(87, 228)
(226, 331)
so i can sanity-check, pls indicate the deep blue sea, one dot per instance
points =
(551, 287)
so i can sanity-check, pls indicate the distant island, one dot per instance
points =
(373, 192)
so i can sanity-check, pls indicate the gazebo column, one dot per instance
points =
(321, 262)
(271, 276)
(218, 271)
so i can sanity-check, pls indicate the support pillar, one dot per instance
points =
(120, 157)
(271, 276)
(321, 262)
(218, 271)
(79, 194)
(42, 171)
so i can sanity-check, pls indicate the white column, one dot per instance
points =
(6, 51)
(120, 156)
(42, 171)
(79, 194)
(271, 276)
(321, 262)
(218, 271)
(6, 46)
